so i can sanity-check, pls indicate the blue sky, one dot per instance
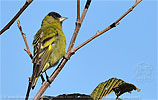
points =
(127, 52)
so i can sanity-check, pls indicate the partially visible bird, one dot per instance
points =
(49, 45)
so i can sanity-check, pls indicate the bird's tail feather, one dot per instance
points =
(34, 82)
(31, 83)
(34, 78)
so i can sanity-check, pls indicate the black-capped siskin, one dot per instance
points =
(49, 45)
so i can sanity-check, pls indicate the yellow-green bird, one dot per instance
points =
(49, 45)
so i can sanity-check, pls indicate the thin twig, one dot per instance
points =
(27, 3)
(24, 37)
(29, 53)
(28, 89)
(78, 25)
(108, 28)
(45, 85)
(78, 10)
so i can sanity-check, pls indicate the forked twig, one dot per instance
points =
(108, 28)
(27, 3)
(24, 37)
(78, 25)
(29, 53)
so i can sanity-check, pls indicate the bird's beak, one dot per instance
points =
(61, 19)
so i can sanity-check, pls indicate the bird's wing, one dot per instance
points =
(43, 48)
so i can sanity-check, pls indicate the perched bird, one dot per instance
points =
(49, 45)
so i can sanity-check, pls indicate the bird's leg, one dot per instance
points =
(47, 77)
(42, 78)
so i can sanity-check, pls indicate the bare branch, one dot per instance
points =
(78, 25)
(24, 37)
(108, 28)
(27, 3)
(29, 53)
(45, 85)
(135, 4)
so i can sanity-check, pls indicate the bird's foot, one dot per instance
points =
(43, 80)
(47, 77)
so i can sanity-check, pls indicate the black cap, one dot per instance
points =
(54, 15)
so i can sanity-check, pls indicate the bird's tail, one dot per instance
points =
(34, 77)
(34, 82)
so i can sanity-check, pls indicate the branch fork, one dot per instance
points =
(78, 23)
(24, 38)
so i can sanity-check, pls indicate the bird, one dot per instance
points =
(49, 45)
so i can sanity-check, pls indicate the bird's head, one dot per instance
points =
(57, 16)
(53, 18)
